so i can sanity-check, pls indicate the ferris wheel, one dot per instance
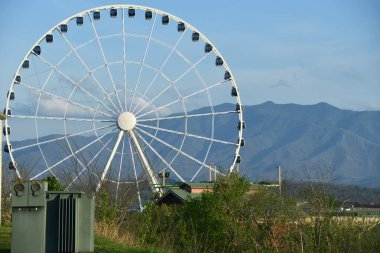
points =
(121, 93)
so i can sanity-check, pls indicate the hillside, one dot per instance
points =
(340, 145)
(316, 142)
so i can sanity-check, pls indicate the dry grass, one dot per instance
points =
(5, 239)
(117, 234)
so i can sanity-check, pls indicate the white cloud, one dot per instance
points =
(281, 83)
(55, 106)
(141, 103)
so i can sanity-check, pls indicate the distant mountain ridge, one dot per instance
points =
(312, 139)
(310, 142)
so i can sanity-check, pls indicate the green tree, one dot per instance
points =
(106, 211)
(54, 184)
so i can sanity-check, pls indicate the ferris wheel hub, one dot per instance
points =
(109, 102)
(126, 121)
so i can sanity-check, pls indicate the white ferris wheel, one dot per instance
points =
(123, 92)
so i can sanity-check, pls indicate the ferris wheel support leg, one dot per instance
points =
(106, 168)
(1, 168)
(152, 177)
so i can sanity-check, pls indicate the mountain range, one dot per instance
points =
(311, 142)
(317, 142)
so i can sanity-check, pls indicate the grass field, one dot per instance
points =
(102, 245)
(5, 239)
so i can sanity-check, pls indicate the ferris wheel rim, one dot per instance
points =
(204, 38)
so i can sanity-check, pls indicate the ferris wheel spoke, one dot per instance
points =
(56, 69)
(174, 83)
(105, 60)
(124, 59)
(89, 71)
(73, 154)
(51, 71)
(142, 62)
(60, 118)
(153, 99)
(207, 153)
(99, 100)
(191, 67)
(121, 165)
(44, 158)
(64, 99)
(187, 134)
(172, 147)
(59, 138)
(161, 158)
(90, 162)
(108, 164)
(80, 163)
(173, 49)
(180, 99)
(212, 169)
(135, 174)
(187, 116)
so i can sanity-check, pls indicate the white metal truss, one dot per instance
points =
(101, 110)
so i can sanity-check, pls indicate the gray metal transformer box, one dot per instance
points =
(28, 216)
(48, 221)
(69, 222)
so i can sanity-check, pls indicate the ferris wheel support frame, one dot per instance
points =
(2, 117)
(135, 137)
(152, 177)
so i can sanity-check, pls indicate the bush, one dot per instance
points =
(105, 212)
(233, 219)
(54, 184)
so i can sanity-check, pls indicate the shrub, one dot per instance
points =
(106, 212)
(54, 184)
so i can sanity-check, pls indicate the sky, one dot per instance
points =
(293, 51)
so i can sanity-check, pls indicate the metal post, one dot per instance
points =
(163, 178)
(209, 170)
(1, 167)
(106, 168)
(2, 117)
(279, 178)
(152, 177)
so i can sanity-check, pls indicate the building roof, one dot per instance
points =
(357, 204)
(184, 194)
(199, 185)
(179, 194)
(367, 206)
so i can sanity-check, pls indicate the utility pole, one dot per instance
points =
(2, 117)
(279, 178)
(163, 175)
(210, 174)
(163, 178)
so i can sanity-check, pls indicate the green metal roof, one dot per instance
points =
(199, 185)
(182, 194)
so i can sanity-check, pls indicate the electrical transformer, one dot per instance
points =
(50, 221)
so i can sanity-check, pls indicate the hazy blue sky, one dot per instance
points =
(286, 51)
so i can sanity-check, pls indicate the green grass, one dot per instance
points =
(102, 245)
(5, 239)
